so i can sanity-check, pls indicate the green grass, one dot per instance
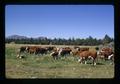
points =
(37, 66)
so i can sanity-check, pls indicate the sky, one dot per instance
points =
(59, 21)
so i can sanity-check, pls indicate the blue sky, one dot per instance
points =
(60, 21)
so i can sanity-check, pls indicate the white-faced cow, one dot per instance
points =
(22, 49)
(64, 51)
(85, 55)
(54, 55)
(106, 53)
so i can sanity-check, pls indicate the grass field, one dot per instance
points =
(36, 66)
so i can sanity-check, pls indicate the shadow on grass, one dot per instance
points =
(100, 63)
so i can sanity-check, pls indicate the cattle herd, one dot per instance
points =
(83, 53)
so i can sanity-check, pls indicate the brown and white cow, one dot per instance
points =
(41, 50)
(22, 49)
(64, 51)
(85, 55)
(84, 49)
(36, 50)
(50, 48)
(32, 49)
(106, 53)
(54, 55)
(77, 52)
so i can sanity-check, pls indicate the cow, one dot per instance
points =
(64, 51)
(105, 53)
(50, 48)
(54, 55)
(106, 49)
(66, 48)
(85, 55)
(55, 49)
(76, 47)
(77, 52)
(22, 49)
(84, 49)
(32, 49)
(40, 50)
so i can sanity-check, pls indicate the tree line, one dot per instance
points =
(61, 41)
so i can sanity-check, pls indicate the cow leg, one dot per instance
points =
(18, 55)
(94, 63)
(85, 61)
(59, 57)
(80, 60)
(54, 58)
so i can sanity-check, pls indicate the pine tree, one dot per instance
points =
(106, 39)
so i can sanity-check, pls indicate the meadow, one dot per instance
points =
(37, 66)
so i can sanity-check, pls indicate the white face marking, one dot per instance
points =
(58, 49)
(77, 49)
